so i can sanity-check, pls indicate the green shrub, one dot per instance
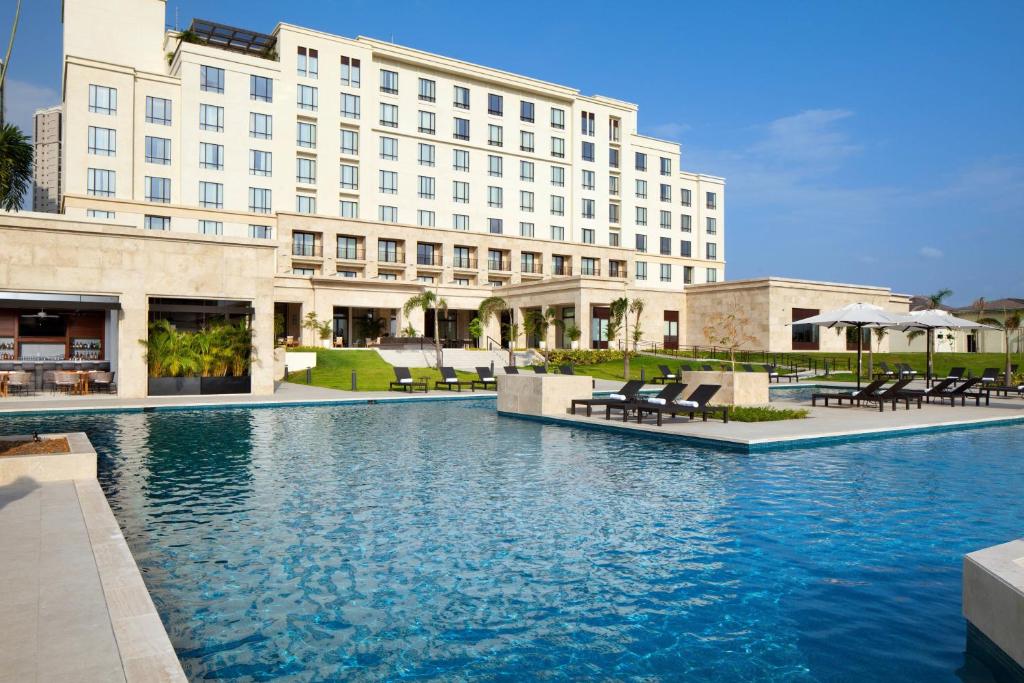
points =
(582, 356)
(765, 414)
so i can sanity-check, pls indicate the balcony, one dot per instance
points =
(593, 270)
(534, 268)
(394, 256)
(499, 265)
(464, 262)
(617, 270)
(562, 269)
(712, 205)
(231, 39)
(307, 251)
(351, 254)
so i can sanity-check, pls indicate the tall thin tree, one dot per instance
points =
(428, 300)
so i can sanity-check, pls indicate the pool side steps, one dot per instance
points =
(993, 604)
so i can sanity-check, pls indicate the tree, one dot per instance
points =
(7, 57)
(636, 307)
(880, 333)
(512, 330)
(619, 319)
(537, 323)
(476, 329)
(492, 307)
(321, 329)
(728, 330)
(1011, 322)
(429, 300)
(15, 167)
(934, 301)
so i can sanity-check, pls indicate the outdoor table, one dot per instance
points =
(82, 387)
(4, 376)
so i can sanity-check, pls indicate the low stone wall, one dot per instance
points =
(541, 394)
(993, 595)
(79, 463)
(299, 360)
(738, 388)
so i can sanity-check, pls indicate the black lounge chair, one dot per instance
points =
(669, 393)
(685, 367)
(775, 376)
(707, 367)
(511, 370)
(990, 376)
(906, 372)
(955, 374)
(566, 370)
(628, 392)
(485, 378)
(747, 367)
(405, 382)
(894, 394)
(449, 379)
(886, 372)
(696, 403)
(963, 392)
(666, 376)
(935, 389)
(839, 397)
(540, 369)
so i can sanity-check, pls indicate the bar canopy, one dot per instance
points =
(74, 302)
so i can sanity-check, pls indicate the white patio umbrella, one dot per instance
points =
(930, 320)
(855, 315)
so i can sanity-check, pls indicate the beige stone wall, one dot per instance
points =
(46, 253)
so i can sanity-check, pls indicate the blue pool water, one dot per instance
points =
(440, 541)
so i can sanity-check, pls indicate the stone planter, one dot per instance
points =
(174, 386)
(738, 388)
(225, 385)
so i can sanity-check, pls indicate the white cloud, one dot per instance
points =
(808, 139)
(670, 131)
(22, 99)
(930, 252)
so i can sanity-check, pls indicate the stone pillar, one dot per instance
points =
(261, 370)
(132, 370)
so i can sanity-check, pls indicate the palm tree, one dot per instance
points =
(1011, 322)
(15, 166)
(636, 307)
(620, 318)
(429, 300)
(491, 307)
(538, 323)
(512, 330)
(934, 301)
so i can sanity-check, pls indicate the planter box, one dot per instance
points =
(225, 385)
(174, 386)
(738, 388)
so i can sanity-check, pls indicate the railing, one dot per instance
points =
(617, 271)
(591, 271)
(307, 250)
(503, 265)
(428, 260)
(465, 262)
(353, 254)
(391, 256)
(563, 269)
(493, 343)
(535, 268)
(793, 362)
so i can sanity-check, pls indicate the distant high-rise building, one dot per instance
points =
(46, 174)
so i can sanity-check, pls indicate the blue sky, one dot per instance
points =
(869, 142)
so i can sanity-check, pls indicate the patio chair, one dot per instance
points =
(775, 376)
(450, 379)
(540, 369)
(566, 370)
(101, 381)
(404, 381)
(696, 403)
(511, 370)
(669, 392)
(963, 392)
(20, 382)
(485, 377)
(629, 391)
(990, 376)
(848, 395)
(935, 389)
(666, 376)
(891, 394)
(906, 371)
(48, 380)
(956, 374)
(885, 371)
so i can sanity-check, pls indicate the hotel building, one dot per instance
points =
(48, 127)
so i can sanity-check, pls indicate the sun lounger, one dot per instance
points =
(449, 380)
(906, 372)
(540, 369)
(670, 392)
(666, 376)
(511, 370)
(696, 403)
(963, 392)
(627, 393)
(990, 376)
(405, 382)
(934, 390)
(885, 372)
(566, 370)
(747, 367)
(707, 367)
(891, 394)
(839, 397)
(485, 378)
(775, 376)
(685, 367)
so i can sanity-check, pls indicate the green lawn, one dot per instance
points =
(334, 371)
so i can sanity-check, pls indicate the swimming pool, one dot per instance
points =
(435, 540)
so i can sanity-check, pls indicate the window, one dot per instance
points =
(588, 180)
(711, 251)
(389, 115)
(665, 246)
(614, 127)
(350, 71)
(558, 176)
(308, 62)
(102, 100)
(587, 208)
(211, 117)
(526, 171)
(528, 263)
(157, 190)
(261, 232)
(261, 126)
(666, 272)
(99, 213)
(687, 275)
(304, 244)
(427, 122)
(211, 195)
(557, 205)
(685, 222)
(101, 183)
(306, 97)
(496, 226)
(588, 266)
(558, 148)
(305, 204)
(613, 213)
(711, 275)
(586, 123)
(495, 197)
(614, 239)
(557, 118)
(157, 222)
(526, 201)
(349, 141)
(350, 106)
(460, 221)
(460, 192)
(641, 161)
(211, 79)
(494, 135)
(389, 82)
(641, 215)
(685, 248)
(424, 218)
(461, 129)
(389, 148)
(426, 154)
(712, 225)
(684, 197)
(666, 166)
(613, 158)
(641, 270)
(425, 254)
(588, 235)
(665, 220)
(558, 233)
(460, 160)
(712, 200)
(588, 151)
(495, 105)
(211, 227)
(558, 264)
(349, 177)
(158, 150)
(388, 214)
(461, 281)
(211, 156)
(461, 97)
(495, 260)
(428, 90)
(158, 110)
(526, 111)
(348, 209)
(525, 141)
(102, 141)
(261, 89)
(641, 189)
(388, 182)
(641, 243)
(526, 229)
(387, 276)
(426, 185)
(305, 171)
(494, 166)
(666, 192)
(348, 248)
(613, 185)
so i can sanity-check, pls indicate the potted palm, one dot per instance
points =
(573, 334)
